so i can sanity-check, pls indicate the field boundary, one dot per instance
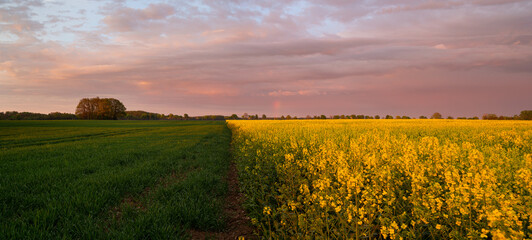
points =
(238, 223)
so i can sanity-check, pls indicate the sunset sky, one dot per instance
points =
(459, 58)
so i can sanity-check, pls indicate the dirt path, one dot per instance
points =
(238, 224)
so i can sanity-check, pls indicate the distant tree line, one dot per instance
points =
(14, 115)
(525, 115)
(110, 108)
(142, 115)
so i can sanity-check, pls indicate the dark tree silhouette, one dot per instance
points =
(490, 116)
(526, 115)
(436, 115)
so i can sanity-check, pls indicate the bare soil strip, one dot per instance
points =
(238, 224)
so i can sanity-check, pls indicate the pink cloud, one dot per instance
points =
(129, 19)
(225, 57)
(440, 46)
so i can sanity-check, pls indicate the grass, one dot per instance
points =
(111, 179)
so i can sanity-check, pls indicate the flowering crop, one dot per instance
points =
(397, 179)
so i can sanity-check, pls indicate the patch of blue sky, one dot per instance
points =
(296, 8)
(184, 10)
(199, 5)
(6, 4)
(259, 11)
(326, 27)
(62, 19)
(262, 13)
(139, 4)
(7, 37)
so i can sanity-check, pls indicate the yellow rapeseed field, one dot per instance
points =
(396, 179)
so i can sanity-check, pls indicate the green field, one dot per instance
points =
(112, 179)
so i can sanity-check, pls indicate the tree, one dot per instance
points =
(288, 117)
(86, 109)
(263, 116)
(118, 109)
(526, 115)
(422, 117)
(100, 108)
(245, 116)
(490, 116)
(185, 116)
(323, 117)
(377, 117)
(436, 115)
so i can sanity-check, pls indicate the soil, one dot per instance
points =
(238, 224)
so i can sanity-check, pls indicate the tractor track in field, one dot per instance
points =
(139, 202)
(238, 223)
(67, 139)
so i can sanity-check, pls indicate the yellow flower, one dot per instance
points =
(267, 210)
(338, 209)
(453, 170)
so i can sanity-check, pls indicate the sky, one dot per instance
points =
(401, 57)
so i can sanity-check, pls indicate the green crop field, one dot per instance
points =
(112, 179)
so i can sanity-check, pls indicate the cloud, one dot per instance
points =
(440, 46)
(129, 19)
(293, 93)
(316, 56)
